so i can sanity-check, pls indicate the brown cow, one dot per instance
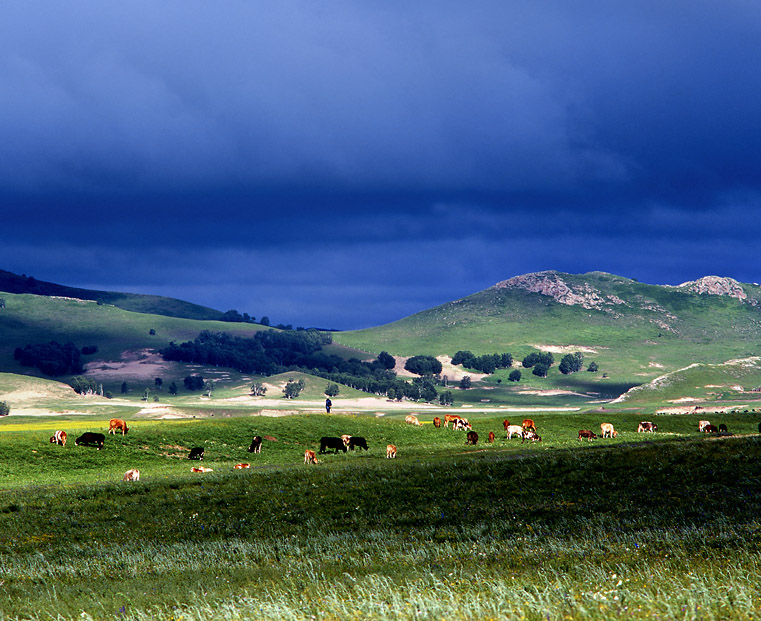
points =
(586, 433)
(200, 469)
(437, 422)
(131, 475)
(647, 427)
(491, 437)
(607, 430)
(505, 424)
(711, 429)
(58, 438)
(450, 418)
(310, 457)
(528, 424)
(390, 451)
(117, 424)
(472, 438)
(241, 466)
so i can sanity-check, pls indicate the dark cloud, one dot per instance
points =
(347, 163)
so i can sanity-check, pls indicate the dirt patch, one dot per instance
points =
(136, 364)
(565, 349)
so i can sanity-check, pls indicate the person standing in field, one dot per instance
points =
(328, 405)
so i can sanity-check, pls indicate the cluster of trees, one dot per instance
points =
(539, 362)
(488, 363)
(194, 382)
(293, 388)
(51, 358)
(423, 365)
(571, 363)
(85, 385)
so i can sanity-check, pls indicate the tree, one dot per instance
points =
(592, 368)
(258, 389)
(446, 398)
(173, 389)
(293, 388)
(540, 369)
(515, 376)
(84, 385)
(152, 332)
(125, 388)
(423, 365)
(2, 302)
(5, 409)
(465, 382)
(265, 321)
(208, 388)
(463, 357)
(332, 390)
(391, 393)
(159, 383)
(193, 382)
(146, 392)
(571, 363)
(386, 360)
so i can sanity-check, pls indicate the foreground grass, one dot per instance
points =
(670, 528)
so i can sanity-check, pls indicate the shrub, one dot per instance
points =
(5, 409)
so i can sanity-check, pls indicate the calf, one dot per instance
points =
(723, 428)
(412, 420)
(711, 429)
(528, 424)
(256, 445)
(241, 466)
(131, 475)
(647, 427)
(390, 451)
(200, 469)
(607, 431)
(586, 433)
(472, 438)
(702, 424)
(59, 437)
(531, 435)
(461, 425)
(337, 444)
(516, 430)
(91, 439)
(491, 437)
(437, 422)
(117, 424)
(310, 457)
(357, 441)
(196, 453)
(505, 424)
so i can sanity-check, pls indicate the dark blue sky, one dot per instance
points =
(345, 164)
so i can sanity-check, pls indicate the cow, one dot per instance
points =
(530, 435)
(91, 439)
(472, 438)
(514, 430)
(346, 437)
(241, 466)
(412, 420)
(461, 425)
(450, 418)
(491, 437)
(357, 441)
(528, 424)
(437, 422)
(117, 424)
(586, 433)
(131, 475)
(723, 428)
(711, 429)
(337, 444)
(607, 431)
(196, 453)
(702, 424)
(505, 424)
(200, 469)
(310, 457)
(647, 427)
(390, 451)
(59, 437)
(256, 445)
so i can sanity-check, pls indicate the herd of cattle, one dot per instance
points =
(526, 431)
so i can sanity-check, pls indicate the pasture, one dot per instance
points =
(645, 525)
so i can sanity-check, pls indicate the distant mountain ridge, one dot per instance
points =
(136, 302)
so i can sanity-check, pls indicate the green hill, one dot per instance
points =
(634, 331)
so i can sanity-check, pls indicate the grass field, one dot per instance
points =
(662, 525)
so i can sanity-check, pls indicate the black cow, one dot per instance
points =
(711, 429)
(256, 445)
(357, 441)
(196, 453)
(472, 438)
(723, 428)
(91, 439)
(327, 442)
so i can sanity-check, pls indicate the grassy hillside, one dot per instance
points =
(634, 331)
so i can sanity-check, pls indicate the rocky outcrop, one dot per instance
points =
(715, 285)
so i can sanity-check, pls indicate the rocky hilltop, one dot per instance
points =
(716, 285)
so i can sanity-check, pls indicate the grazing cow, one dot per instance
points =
(505, 424)
(117, 424)
(491, 437)
(196, 453)
(450, 418)
(310, 457)
(412, 420)
(437, 422)
(723, 428)
(461, 425)
(337, 444)
(91, 439)
(607, 431)
(514, 430)
(200, 469)
(647, 427)
(702, 424)
(531, 435)
(346, 437)
(472, 438)
(711, 429)
(256, 445)
(390, 451)
(358, 441)
(528, 424)
(241, 466)
(586, 433)
(131, 475)
(58, 438)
